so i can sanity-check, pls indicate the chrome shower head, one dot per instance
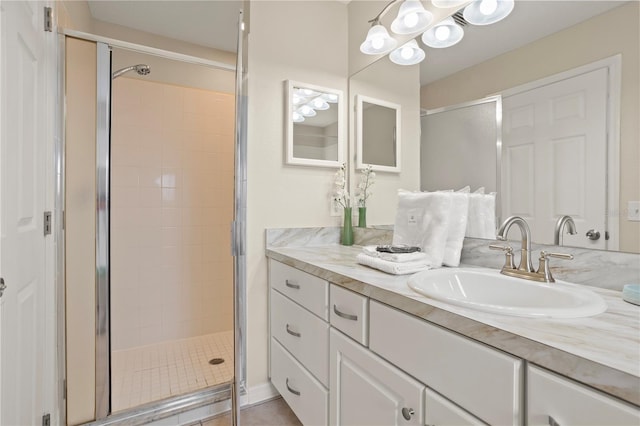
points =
(141, 69)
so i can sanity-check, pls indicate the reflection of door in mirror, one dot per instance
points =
(313, 125)
(554, 158)
(377, 134)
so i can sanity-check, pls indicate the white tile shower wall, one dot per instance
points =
(172, 153)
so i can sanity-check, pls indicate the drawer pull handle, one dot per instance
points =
(553, 422)
(343, 315)
(293, 391)
(407, 413)
(292, 285)
(293, 333)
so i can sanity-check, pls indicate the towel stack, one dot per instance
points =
(393, 263)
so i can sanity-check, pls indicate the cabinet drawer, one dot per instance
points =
(309, 291)
(308, 399)
(483, 381)
(442, 412)
(348, 312)
(303, 334)
(550, 396)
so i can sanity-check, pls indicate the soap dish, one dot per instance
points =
(631, 293)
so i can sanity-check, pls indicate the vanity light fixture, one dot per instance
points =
(407, 54)
(448, 3)
(297, 117)
(444, 34)
(307, 111)
(412, 18)
(486, 12)
(378, 41)
(318, 104)
(332, 98)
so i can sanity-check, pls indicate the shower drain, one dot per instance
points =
(216, 361)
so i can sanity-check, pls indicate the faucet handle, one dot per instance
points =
(508, 255)
(543, 266)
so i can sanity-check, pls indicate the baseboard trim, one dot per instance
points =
(258, 394)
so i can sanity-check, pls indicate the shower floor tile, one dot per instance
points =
(167, 369)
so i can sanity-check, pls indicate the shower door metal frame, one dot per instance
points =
(172, 406)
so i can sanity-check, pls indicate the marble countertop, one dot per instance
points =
(601, 351)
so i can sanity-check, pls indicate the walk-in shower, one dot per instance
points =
(141, 69)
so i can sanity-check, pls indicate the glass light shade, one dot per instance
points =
(307, 111)
(378, 41)
(435, 37)
(486, 12)
(319, 104)
(407, 54)
(412, 18)
(297, 99)
(297, 117)
(332, 98)
(447, 3)
(304, 92)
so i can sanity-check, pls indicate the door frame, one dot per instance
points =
(613, 64)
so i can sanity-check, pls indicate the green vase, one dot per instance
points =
(362, 217)
(347, 228)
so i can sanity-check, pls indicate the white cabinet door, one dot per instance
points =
(439, 411)
(557, 401)
(368, 391)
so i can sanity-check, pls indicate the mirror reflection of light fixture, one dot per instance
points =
(297, 117)
(307, 111)
(378, 41)
(486, 12)
(407, 54)
(319, 104)
(332, 98)
(412, 18)
(445, 34)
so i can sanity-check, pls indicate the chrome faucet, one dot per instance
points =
(525, 251)
(525, 269)
(560, 224)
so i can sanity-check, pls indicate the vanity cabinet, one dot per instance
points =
(439, 411)
(299, 342)
(557, 401)
(367, 390)
(483, 380)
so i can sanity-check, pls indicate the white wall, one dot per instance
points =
(306, 42)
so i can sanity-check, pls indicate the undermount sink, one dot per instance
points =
(490, 291)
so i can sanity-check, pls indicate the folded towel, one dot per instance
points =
(422, 219)
(394, 257)
(457, 227)
(394, 268)
(482, 216)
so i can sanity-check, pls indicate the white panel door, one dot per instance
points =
(368, 391)
(554, 158)
(23, 126)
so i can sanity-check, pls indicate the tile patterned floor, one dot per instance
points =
(167, 369)
(271, 413)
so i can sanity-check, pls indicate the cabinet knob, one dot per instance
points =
(407, 413)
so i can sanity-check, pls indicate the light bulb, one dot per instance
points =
(377, 43)
(487, 7)
(307, 92)
(297, 117)
(297, 99)
(442, 33)
(406, 52)
(410, 20)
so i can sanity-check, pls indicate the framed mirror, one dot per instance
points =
(377, 134)
(314, 125)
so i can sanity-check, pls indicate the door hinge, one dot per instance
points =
(47, 223)
(48, 19)
(46, 420)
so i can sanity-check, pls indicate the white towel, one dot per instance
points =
(394, 268)
(482, 216)
(457, 227)
(422, 219)
(394, 257)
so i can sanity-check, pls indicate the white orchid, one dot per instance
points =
(367, 179)
(340, 194)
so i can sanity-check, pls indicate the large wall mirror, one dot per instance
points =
(378, 134)
(314, 125)
(534, 50)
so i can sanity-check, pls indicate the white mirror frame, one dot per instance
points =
(289, 157)
(360, 99)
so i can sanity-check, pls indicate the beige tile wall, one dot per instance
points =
(171, 206)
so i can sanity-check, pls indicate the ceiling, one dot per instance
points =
(213, 24)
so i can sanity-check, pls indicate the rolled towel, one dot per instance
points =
(395, 268)
(482, 216)
(457, 227)
(422, 219)
(394, 257)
